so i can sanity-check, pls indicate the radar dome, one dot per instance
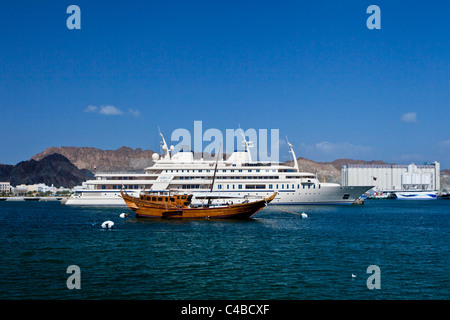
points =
(155, 157)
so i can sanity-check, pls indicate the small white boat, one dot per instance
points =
(416, 195)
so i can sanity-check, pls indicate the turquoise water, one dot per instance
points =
(276, 255)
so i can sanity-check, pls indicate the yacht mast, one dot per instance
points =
(248, 145)
(214, 176)
(293, 155)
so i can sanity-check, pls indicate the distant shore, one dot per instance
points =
(32, 198)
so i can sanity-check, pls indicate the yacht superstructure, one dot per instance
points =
(236, 177)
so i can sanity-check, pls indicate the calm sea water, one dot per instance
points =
(276, 255)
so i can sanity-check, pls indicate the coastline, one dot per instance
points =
(32, 198)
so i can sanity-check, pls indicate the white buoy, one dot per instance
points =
(353, 276)
(123, 215)
(304, 215)
(107, 224)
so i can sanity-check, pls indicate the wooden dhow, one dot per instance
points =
(180, 206)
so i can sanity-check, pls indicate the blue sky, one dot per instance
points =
(311, 69)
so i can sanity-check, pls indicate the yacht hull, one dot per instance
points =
(326, 195)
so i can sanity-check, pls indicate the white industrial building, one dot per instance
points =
(5, 187)
(393, 177)
(40, 187)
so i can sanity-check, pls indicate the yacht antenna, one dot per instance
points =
(247, 144)
(293, 155)
(164, 146)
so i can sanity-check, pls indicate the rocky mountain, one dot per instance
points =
(53, 169)
(340, 162)
(128, 159)
(122, 159)
(86, 159)
(5, 171)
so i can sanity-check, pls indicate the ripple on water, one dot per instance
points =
(274, 256)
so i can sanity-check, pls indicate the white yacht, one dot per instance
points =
(235, 178)
(416, 195)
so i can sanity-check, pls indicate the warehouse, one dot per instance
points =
(393, 177)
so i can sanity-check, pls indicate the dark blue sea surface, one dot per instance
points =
(275, 255)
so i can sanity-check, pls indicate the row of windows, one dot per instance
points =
(228, 186)
(256, 177)
(118, 186)
(191, 186)
(161, 199)
(223, 170)
(263, 186)
(231, 178)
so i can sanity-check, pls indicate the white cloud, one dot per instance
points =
(341, 148)
(91, 109)
(134, 112)
(328, 151)
(445, 143)
(110, 110)
(409, 117)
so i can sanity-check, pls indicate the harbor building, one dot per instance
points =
(39, 187)
(395, 177)
(5, 187)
